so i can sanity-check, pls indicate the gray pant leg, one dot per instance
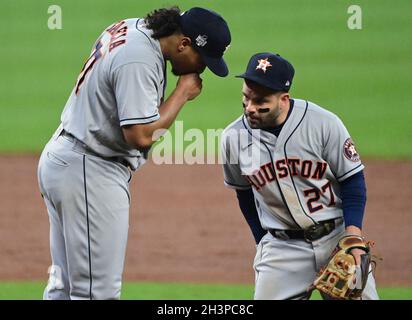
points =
(283, 269)
(286, 269)
(91, 196)
(108, 211)
(370, 292)
(58, 287)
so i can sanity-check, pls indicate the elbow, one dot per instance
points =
(137, 140)
(139, 137)
(142, 143)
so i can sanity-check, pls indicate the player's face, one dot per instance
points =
(187, 59)
(262, 107)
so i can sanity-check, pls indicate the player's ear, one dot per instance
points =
(284, 96)
(184, 42)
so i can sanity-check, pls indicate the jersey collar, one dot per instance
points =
(292, 122)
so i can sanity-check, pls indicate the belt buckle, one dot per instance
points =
(313, 233)
(282, 235)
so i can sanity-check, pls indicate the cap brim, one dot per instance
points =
(216, 65)
(259, 81)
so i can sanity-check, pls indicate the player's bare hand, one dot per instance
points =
(190, 85)
(357, 253)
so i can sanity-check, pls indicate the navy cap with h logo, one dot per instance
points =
(269, 70)
(210, 36)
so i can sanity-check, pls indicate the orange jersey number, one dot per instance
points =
(113, 37)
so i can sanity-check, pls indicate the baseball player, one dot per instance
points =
(105, 133)
(298, 177)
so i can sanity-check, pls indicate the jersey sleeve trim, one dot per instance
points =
(142, 120)
(236, 186)
(350, 172)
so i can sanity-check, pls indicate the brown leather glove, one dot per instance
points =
(341, 278)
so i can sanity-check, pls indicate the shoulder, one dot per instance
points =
(234, 128)
(232, 134)
(139, 48)
(316, 113)
(314, 110)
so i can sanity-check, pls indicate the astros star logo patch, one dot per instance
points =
(263, 64)
(349, 151)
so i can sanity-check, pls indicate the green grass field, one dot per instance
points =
(362, 75)
(174, 291)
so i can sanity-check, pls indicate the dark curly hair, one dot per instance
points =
(164, 22)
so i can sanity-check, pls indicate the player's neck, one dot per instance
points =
(282, 115)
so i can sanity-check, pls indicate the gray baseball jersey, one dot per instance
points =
(295, 180)
(82, 176)
(295, 176)
(122, 83)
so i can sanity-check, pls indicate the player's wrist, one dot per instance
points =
(180, 95)
(353, 230)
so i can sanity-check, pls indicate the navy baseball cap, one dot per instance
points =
(210, 36)
(270, 70)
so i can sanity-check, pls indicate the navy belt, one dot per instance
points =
(83, 148)
(313, 233)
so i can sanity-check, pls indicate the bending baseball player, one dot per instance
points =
(300, 185)
(106, 131)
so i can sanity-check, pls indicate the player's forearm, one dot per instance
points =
(353, 192)
(169, 110)
(248, 208)
(142, 136)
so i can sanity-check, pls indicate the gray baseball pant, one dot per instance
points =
(284, 269)
(87, 199)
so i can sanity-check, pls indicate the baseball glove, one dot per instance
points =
(341, 278)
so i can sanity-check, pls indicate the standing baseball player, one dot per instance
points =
(105, 133)
(300, 185)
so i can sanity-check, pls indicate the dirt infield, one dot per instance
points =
(185, 226)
